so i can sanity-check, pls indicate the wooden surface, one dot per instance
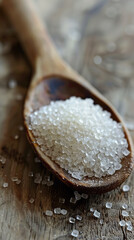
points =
(81, 31)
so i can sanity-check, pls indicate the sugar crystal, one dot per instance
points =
(87, 144)
(63, 211)
(75, 233)
(12, 83)
(122, 223)
(128, 223)
(129, 228)
(101, 221)
(31, 200)
(5, 185)
(72, 200)
(72, 220)
(125, 213)
(108, 205)
(125, 188)
(84, 195)
(91, 209)
(96, 214)
(49, 213)
(124, 206)
(2, 159)
(78, 217)
(57, 210)
(18, 181)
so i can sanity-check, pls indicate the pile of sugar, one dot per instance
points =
(80, 137)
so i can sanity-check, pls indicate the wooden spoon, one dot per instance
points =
(53, 79)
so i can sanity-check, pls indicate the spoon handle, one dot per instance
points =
(33, 35)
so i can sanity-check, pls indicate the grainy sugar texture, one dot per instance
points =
(80, 137)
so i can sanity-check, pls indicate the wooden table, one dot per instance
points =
(97, 39)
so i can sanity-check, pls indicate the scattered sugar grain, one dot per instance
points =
(47, 178)
(12, 84)
(2, 159)
(31, 200)
(16, 137)
(57, 211)
(30, 174)
(101, 221)
(14, 179)
(18, 181)
(84, 195)
(77, 195)
(73, 200)
(96, 214)
(38, 178)
(124, 206)
(5, 185)
(129, 228)
(72, 220)
(92, 209)
(63, 211)
(126, 188)
(61, 200)
(75, 233)
(50, 183)
(78, 217)
(122, 223)
(109, 205)
(87, 144)
(49, 213)
(21, 128)
(128, 223)
(125, 213)
(97, 60)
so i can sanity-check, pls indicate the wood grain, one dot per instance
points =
(80, 33)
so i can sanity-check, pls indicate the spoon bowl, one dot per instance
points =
(55, 88)
(54, 80)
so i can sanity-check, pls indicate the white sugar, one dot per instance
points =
(96, 214)
(125, 188)
(2, 159)
(125, 213)
(84, 195)
(57, 210)
(63, 211)
(72, 220)
(5, 185)
(122, 223)
(128, 223)
(78, 217)
(50, 183)
(18, 181)
(129, 228)
(124, 206)
(77, 195)
(91, 209)
(108, 205)
(75, 233)
(80, 137)
(101, 221)
(31, 200)
(49, 213)
(12, 83)
(73, 200)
